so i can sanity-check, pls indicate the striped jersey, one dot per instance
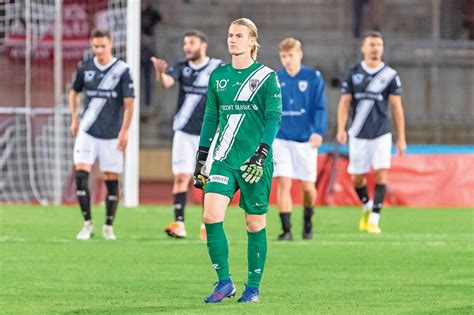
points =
(104, 88)
(192, 93)
(243, 102)
(370, 90)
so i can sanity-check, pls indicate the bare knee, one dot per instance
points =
(308, 188)
(381, 176)
(284, 184)
(215, 207)
(359, 180)
(181, 182)
(181, 179)
(111, 176)
(209, 217)
(255, 222)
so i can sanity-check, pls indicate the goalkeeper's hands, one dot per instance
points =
(253, 167)
(200, 172)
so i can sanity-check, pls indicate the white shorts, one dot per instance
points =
(88, 148)
(295, 160)
(367, 153)
(185, 147)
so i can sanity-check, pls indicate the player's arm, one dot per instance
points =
(343, 108)
(127, 120)
(395, 102)
(163, 79)
(128, 93)
(253, 168)
(73, 99)
(320, 118)
(73, 105)
(208, 130)
(342, 117)
(272, 115)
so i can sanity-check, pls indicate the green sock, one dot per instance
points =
(218, 249)
(257, 253)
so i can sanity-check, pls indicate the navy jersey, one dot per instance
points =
(304, 105)
(104, 87)
(370, 89)
(193, 84)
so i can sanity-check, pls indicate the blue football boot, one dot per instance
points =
(224, 288)
(250, 295)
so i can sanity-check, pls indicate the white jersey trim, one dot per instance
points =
(247, 93)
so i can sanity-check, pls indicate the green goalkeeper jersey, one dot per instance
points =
(246, 106)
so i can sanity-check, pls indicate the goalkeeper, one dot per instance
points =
(244, 101)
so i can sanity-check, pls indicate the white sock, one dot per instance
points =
(374, 218)
(368, 206)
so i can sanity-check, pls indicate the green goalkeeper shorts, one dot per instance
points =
(253, 197)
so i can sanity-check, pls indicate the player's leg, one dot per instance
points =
(283, 173)
(183, 162)
(305, 164)
(256, 255)
(360, 157)
(180, 190)
(84, 156)
(360, 186)
(381, 164)
(379, 196)
(309, 199)
(285, 204)
(111, 204)
(254, 200)
(111, 162)
(218, 193)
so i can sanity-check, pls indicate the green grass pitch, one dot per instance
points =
(422, 263)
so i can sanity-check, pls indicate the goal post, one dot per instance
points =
(131, 180)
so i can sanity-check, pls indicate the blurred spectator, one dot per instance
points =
(149, 18)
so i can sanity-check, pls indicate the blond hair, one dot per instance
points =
(288, 44)
(253, 32)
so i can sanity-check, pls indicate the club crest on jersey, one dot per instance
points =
(302, 85)
(89, 75)
(253, 84)
(187, 72)
(357, 78)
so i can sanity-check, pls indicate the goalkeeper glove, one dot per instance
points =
(253, 167)
(200, 173)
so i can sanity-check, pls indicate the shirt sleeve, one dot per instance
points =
(395, 87)
(211, 117)
(320, 114)
(175, 71)
(347, 87)
(127, 85)
(272, 113)
(78, 83)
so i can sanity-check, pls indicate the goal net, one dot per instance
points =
(41, 43)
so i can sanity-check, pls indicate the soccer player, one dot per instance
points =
(368, 90)
(303, 126)
(103, 130)
(193, 77)
(244, 101)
